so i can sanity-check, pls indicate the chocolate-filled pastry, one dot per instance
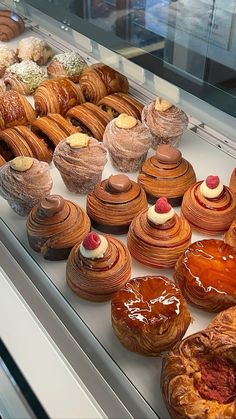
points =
(57, 96)
(206, 275)
(11, 25)
(166, 174)
(230, 235)
(2, 160)
(90, 118)
(232, 182)
(209, 206)
(55, 225)
(68, 64)
(149, 315)
(7, 58)
(21, 141)
(34, 49)
(98, 267)
(119, 103)
(53, 128)
(158, 236)
(114, 202)
(15, 109)
(24, 77)
(99, 80)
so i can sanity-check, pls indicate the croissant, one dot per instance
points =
(7, 58)
(24, 77)
(2, 160)
(35, 49)
(90, 118)
(15, 110)
(230, 235)
(11, 25)
(119, 103)
(68, 64)
(232, 183)
(99, 80)
(57, 96)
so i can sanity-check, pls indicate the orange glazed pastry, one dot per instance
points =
(15, 109)
(114, 202)
(158, 236)
(55, 225)
(209, 206)
(232, 183)
(206, 275)
(166, 174)
(230, 235)
(149, 315)
(119, 103)
(98, 267)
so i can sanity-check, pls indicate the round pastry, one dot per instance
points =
(209, 206)
(149, 315)
(119, 103)
(232, 182)
(24, 77)
(114, 202)
(158, 236)
(55, 225)
(68, 64)
(34, 49)
(80, 160)
(15, 109)
(98, 267)
(2, 160)
(11, 25)
(7, 58)
(166, 174)
(128, 142)
(230, 235)
(24, 181)
(165, 121)
(206, 275)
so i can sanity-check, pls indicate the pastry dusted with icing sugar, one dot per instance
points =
(34, 49)
(7, 58)
(98, 267)
(68, 64)
(24, 77)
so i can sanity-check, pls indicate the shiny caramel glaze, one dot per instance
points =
(230, 235)
(149, 315)
(11, 25)
(158, 246)
(232, 182)
(119, 103)
(15, 109)
(99, 279)
(206, 274)
(209, 216)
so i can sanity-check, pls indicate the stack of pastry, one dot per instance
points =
(119, 103)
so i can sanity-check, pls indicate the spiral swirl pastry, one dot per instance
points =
(149, 315)
(7, 58)
(119, 103)
(211, 216)
(230, 235)
(11, 25)
(15, 110)
(24, 77)
(55, 225)
(90, 119)
(232, 182)
(35, 49)
(57, 96)
(206, 275)
(99, 80)
(68, 64)
(99, 279)
(114, 202)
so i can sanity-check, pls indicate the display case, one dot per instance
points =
(185, 52)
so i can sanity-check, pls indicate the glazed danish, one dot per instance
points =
(15, 109)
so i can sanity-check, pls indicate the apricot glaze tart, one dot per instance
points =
(206, 275)
(209, 206)
(158, 236)
(149, 315)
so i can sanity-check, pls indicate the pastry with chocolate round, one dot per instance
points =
(128, 142)
(209, 206)
(157, 237)
(67, 64)
(35, 49)
(24, 181)
(206, 275)
(7, 58)
(80, 160)
(230, 235)
(114, 202)
(11, 25)
(15, 109)
(149, 315)
(166, 122)
(55, 225)
(24, 77)
(168, 174)
(98, 267)
(232, 182)
(119, 103)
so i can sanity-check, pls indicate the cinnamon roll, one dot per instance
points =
(7, 58)
(68, 64)
(57, 96)
(11, 25)
(166, 174)
(209, 206)
(232, 182)
(24, 77)
(119, 103)
(114, 202)
(230, 235)
(98, 267)
(15, 109)
(2, 160)
(158, 236)
(34, 49)
(55, 225)
(149, 315)
(206, 275)
(99, 80)
(90, 119)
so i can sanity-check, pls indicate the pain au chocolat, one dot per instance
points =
(98, 267)
(158, 236)
(11, 25)
(168, 174)
(15, 110)
(55, 225)
(114, 202)
(206, 274)
(209, 206)
(149, 315)
(119, 103)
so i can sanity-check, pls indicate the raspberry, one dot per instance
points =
(91, 241)
(162, 206)
(212, 181)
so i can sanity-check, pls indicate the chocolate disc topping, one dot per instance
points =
(119, 183)
(51, 205)
(165, 153)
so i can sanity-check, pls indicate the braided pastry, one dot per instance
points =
(15, 109)
(11, 25)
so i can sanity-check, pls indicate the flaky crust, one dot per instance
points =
(230, 235)
(11, 25)
(68, 64)
(232, 182)
(15, 109)
(24, 77)
(34, 49)
(119, 103)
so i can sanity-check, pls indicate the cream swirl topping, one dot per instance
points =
(97, 253)
(159, 218)
(211, 193)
